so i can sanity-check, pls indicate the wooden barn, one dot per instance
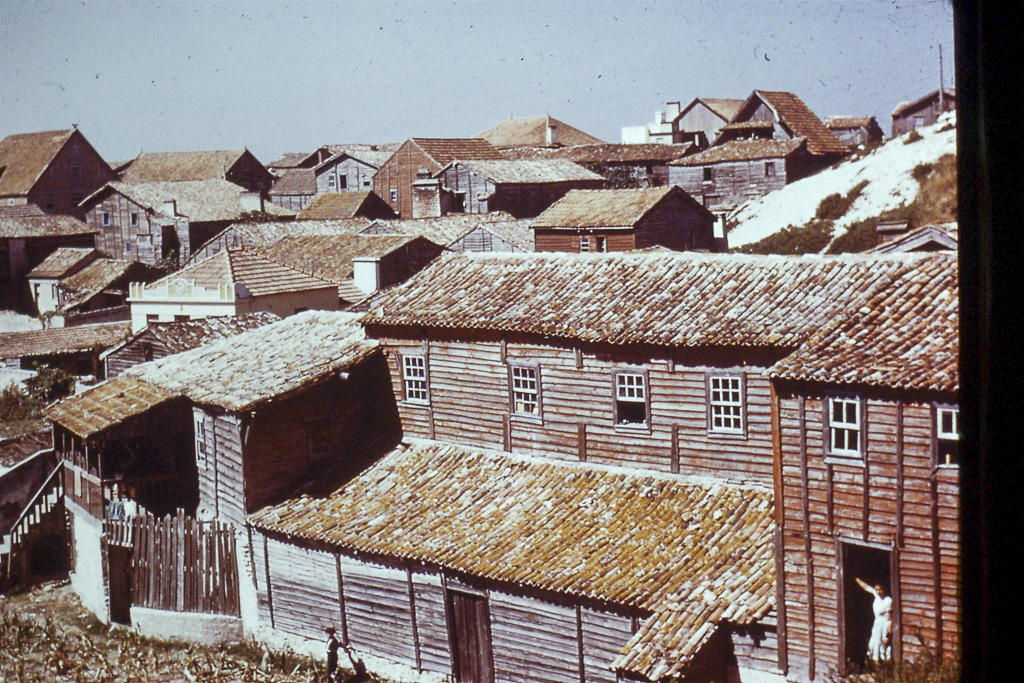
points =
(43, 280)
(74, 349)
(699, 122)
(522, 188)
(54, 170)
(423, 157)
(488, 566)
(237, 166)
(623, 220)
(99, 292)
(349, 170)
(943, 237)
(923, 111)
(867, 482)
(854, 131)
(164, 339)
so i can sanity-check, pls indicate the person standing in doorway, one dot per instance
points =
(879, 645)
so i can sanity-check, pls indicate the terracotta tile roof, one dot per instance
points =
(244, 370)
(260, 275)
(96, 277)
(154, 167)
(198, 200)
(446, 150)
(62, 340)
(443, 230)
(531, 131)
(749, 125)
(528, 171)
(24, 222)
(605, 208)
(802, 122)
(905, 335)
(341, 205)
(329, 257)
(289, 160)
(61, 261)
(692, 551)
(295, 181)
(914, 104)
(742, 150)
(607, 153)
(106, 405)
(183, 335)
(848, 122)
(26, 156)
(673, 299)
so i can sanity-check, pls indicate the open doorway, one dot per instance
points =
(873, 566)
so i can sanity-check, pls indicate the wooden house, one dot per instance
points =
(331, 206)
(623, 220)
(867, 482)
(237, 166)
(99, 291)
(53, 170)
(27, 237)
(263, 234)
(158, 340)
(294, 189)
(350, 170)
(522, 188)
(643, 165)
(923, 111)
(44, 279)
(854, 131)
(493, 231)
(536, 131)
(164, 221)
(942, 237)
(700, 122)
(358, 264)
(726, 175)
(231, 282)
(423, 157)
(74, 349)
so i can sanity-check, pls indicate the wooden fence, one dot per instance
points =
(178, 563)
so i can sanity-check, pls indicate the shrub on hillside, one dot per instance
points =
(835, 206)
(49, 384)
(807, 239)
(936, 200)
(914, 136)
(16, 405)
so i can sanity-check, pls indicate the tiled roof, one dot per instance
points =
(516, 232)
(198, 200)
(61, 261)
(692, 551)
(25, 157)
(365, 153)
(803, 123)
(934, 94)
(446, 150)
(18, 222)
(531, 131)
(904, 335)
(672, 299)
(154, 167)
(260, 275)
(522, 171)
(93, 279)
(62, 340)
(183, 335)
(106, 405)
(340, 205)
(289, 160)
(929, 237)
(848, 122)
(241, 371)
(742, 150)
(441, 230)
(295, 181)
(726, 108)
(603, 208)
(608, 153)
(749, 125)
(329, 257)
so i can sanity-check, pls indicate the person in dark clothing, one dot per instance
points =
(332, 654)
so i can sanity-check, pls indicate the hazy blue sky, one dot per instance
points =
(289, 76)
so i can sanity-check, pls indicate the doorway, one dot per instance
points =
(470, 635)
(873, 566)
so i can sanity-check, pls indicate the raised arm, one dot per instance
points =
(866, 587)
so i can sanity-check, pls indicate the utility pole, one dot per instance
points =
(942, 108)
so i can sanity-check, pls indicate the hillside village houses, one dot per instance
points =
(626, 458)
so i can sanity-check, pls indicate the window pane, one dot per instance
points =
(524, 391)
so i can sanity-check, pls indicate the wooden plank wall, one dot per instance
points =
(569, 240)
(533, 640)
(469, 404)
(734, 181)
(120, 239)
(756, 647)
(895, 499)
(604, 632)
(358, 176)
(220, 476)
(675, 224)
(481, 239)
(305, 589)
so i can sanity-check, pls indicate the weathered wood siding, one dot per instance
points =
(756, 647)
(569, 240)
(221, 482)
(402, 263)
(481, 239)
(703, 119)
(358, 176)
(398, 174)
(895, 499)
(431, 620)
(469, 403)
(304, 585)
(378, 609)
(145, 240)
(925, 114)
(605, 632)
(674, 224)
(533, 640)
(733, 182)
(58, 190)
(523, 200)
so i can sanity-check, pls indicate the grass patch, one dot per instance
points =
(863, 235)
(912, 137)
(937, 199)
(792, 240)
(835, 206)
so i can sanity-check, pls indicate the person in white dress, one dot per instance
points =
(879, 645)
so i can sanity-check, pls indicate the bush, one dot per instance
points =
(914, 136)
(49, 384)
(921, 171)
(807, 239)
(15, 404)
(835, 206)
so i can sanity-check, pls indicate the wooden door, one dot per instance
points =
(119, 579)
(470, 635)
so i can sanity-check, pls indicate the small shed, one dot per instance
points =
(923, 111)
(854, 131)
(43, 279)
(74, 349)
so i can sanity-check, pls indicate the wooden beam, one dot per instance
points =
(808, 557)
(899, 473)
(581, 440)
(776, 453)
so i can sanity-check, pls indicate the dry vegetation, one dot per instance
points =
(46, 635)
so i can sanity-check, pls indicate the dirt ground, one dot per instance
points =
(47, 636)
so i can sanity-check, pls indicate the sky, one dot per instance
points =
(278, 77)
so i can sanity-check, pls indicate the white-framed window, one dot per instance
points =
(330, 183)
(106, 219)
(844, 421)
(725, 404)
(947, 435)
(394, 196)
(414, 379)
(201, 439)
(632, 406)
(524, 385)
(584, 244)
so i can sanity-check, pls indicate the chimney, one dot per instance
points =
(169, 207)
(366, 273)
(426, 196)
(672, 111)
(720, 237)
(251, 201)
(551, 136)
(659, 117)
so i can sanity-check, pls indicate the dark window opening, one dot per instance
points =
(861, 628)
(709, 174)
